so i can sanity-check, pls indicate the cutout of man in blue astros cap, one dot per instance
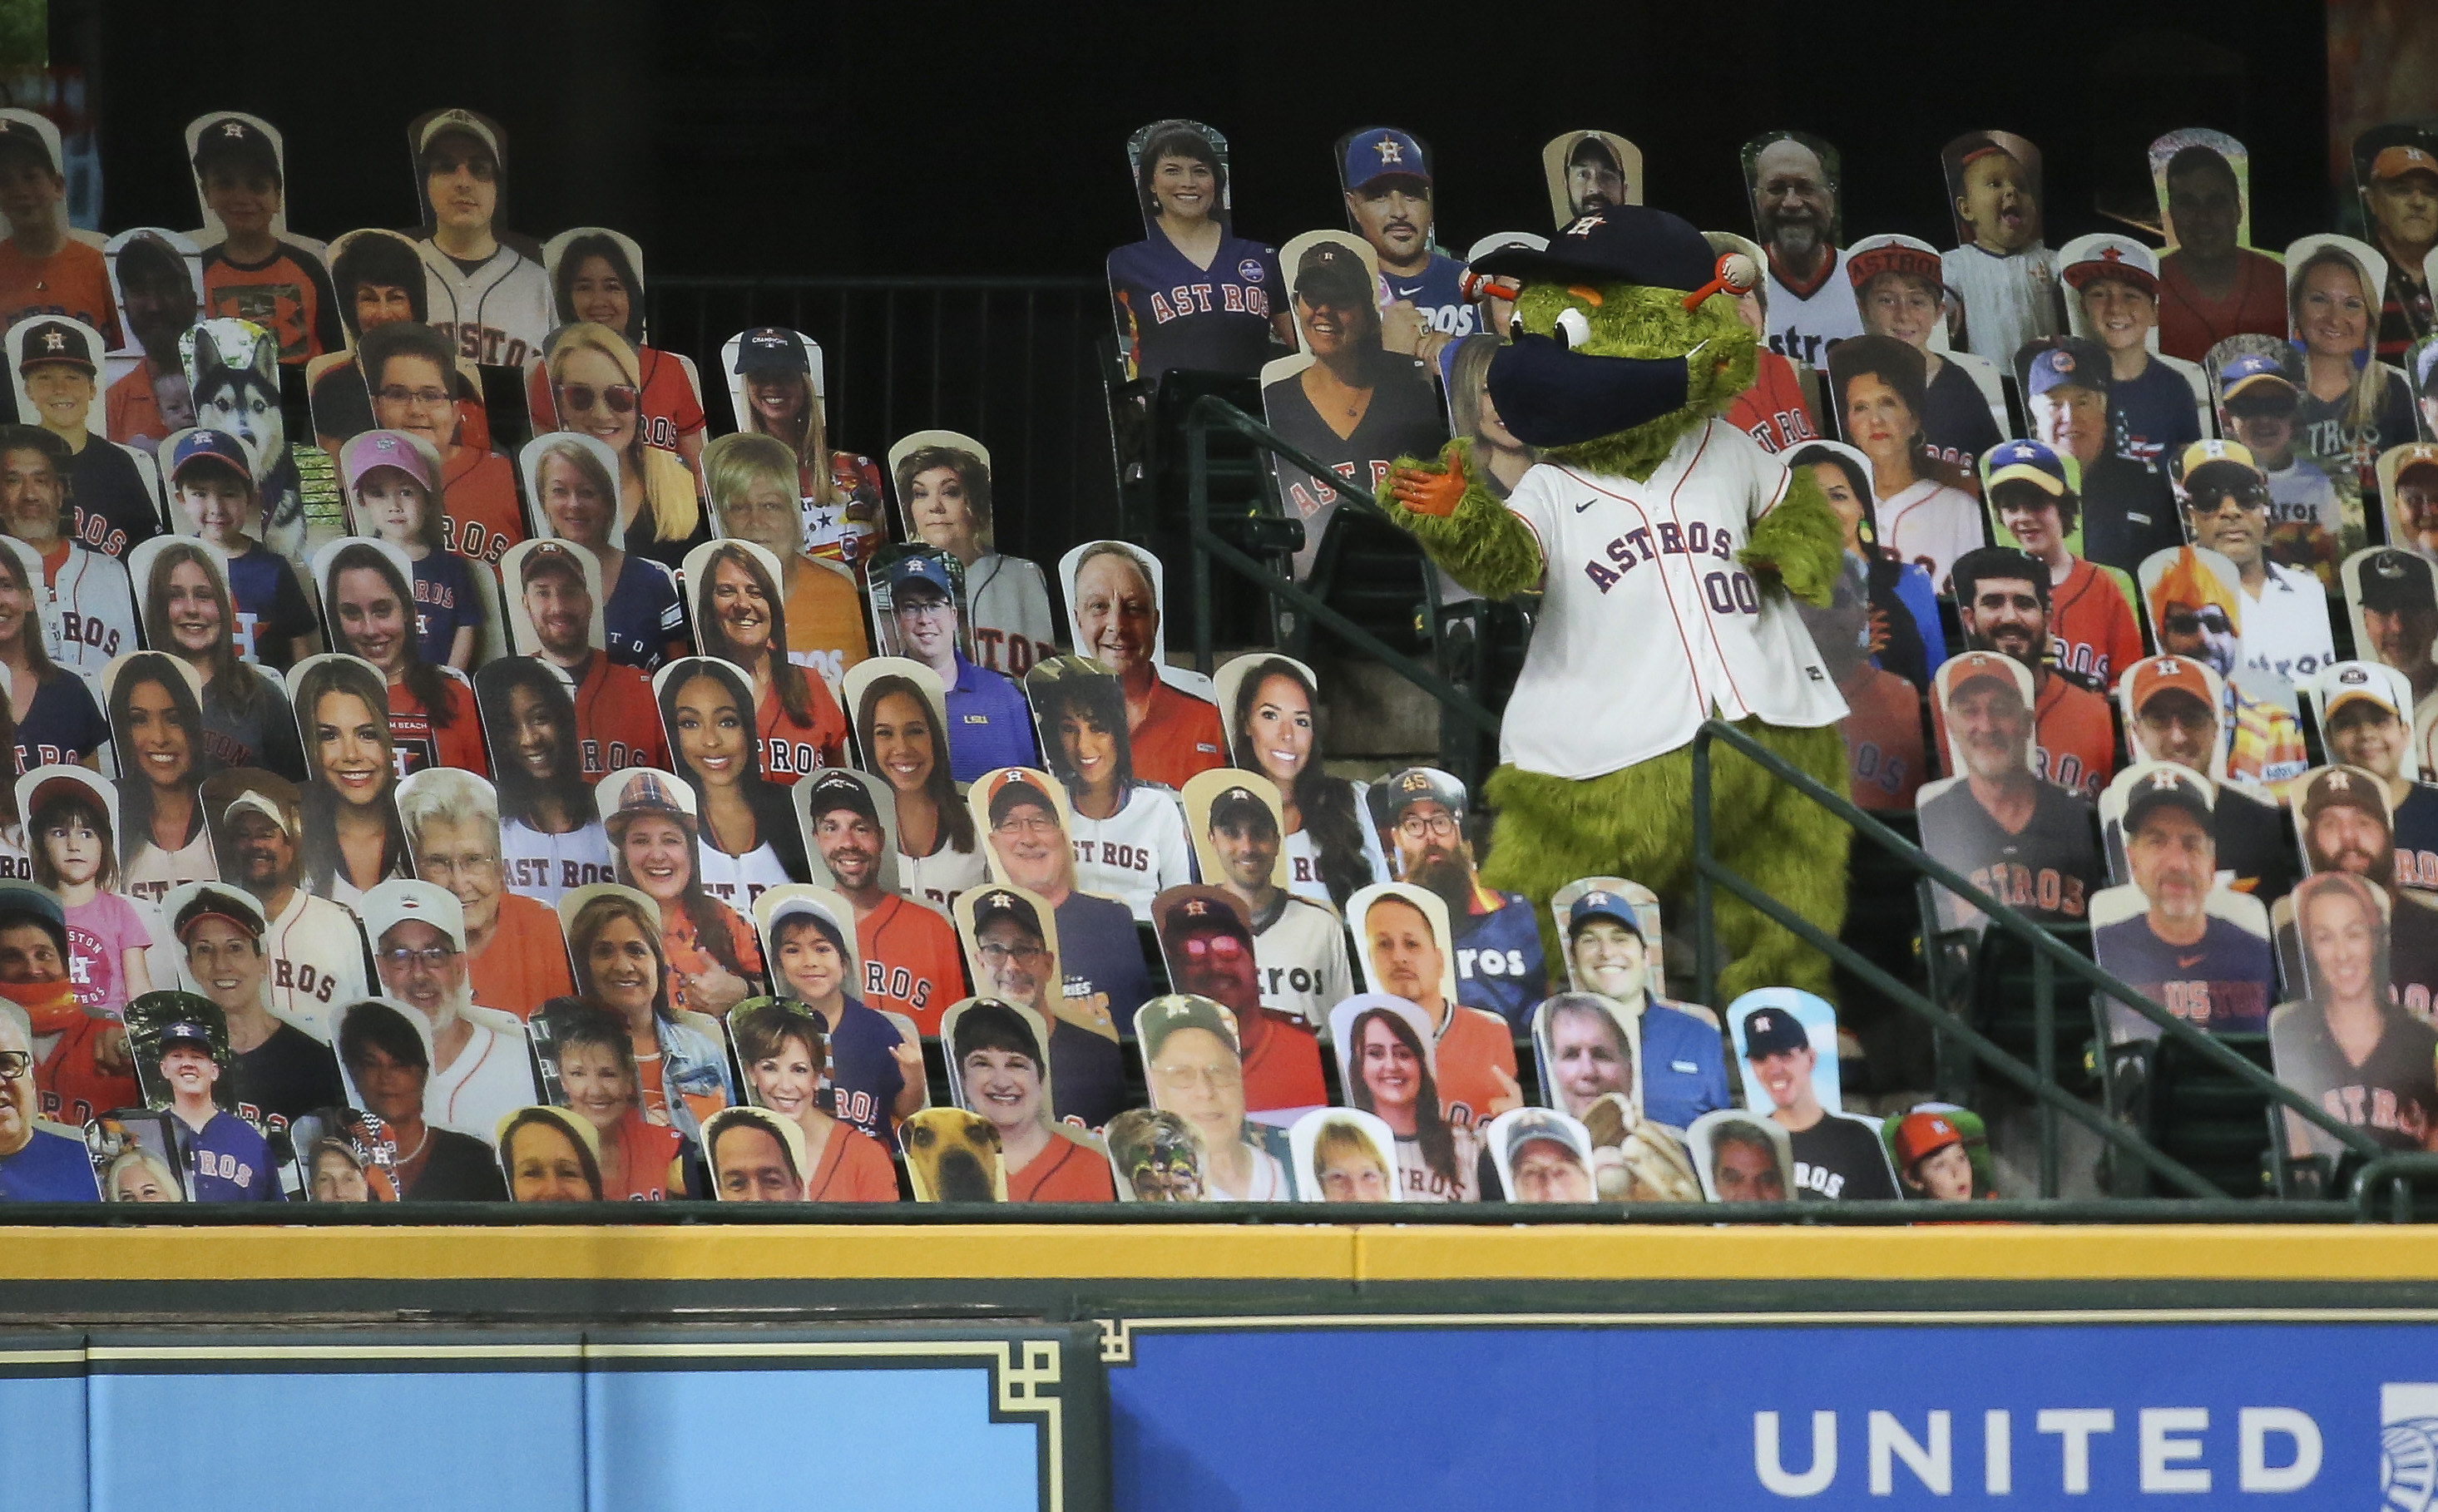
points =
(990, 724)
(1391, 202)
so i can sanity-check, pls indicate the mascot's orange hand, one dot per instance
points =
(1434, 492)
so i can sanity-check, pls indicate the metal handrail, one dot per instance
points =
(1207, 546)
(2048, 954)
(2399, 1172)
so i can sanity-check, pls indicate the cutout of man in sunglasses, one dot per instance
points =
(2196, 615)
(2287, 639)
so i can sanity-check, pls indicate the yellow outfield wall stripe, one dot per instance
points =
(1227, 1251)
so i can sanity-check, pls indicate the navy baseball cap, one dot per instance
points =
(1418, 785)
(209, 445)
(1235, 806)
(185, 1031)
(550, 556)
(2166, 784)
(1772, 1031)
(2249, 371)
(56, 341)
(1621, 244)
(24, 136)
(769, 349)
(921, 568)
(999, 903)
(2068, 363)
(233, 139)
(1602, 904)
(1384, 153)
(2029, 461)
(2393, 580)
(833, 791)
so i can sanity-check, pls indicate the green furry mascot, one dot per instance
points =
(1665, 543)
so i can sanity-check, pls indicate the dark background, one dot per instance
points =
(761, 136)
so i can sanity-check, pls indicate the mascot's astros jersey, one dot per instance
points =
(1650, 623)
(1171, 313)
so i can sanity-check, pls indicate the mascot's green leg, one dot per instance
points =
(1790, 849)
(1634, 823)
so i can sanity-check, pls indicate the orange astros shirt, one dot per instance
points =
(1179, 737)
(2092, 629)
(617, 724)
(1882, 728)
(525, 964)
(1772, 411)
(1472, 1044)
(1068, 1172)
(912, 962)
(1283, 1071)
(791, 751)
(2074, 738)
(480, 517)
(70, 281)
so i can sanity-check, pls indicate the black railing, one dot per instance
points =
(1210, 547)
(1013, 362)
(2048, 956)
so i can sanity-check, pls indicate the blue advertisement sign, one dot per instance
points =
(520, 1421)
(2336, 1412)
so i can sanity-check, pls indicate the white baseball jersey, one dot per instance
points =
(1134, 854)
(1301, 958)
(937, 879)
(1269, 1183)
(542, 866)
(1802, 326)
(91, 616)
(1009, 601)
(1649, 624)
(737, 880)
(2007, 300)
(492, 1078)
(1303, 856)
(1930, 525)
(152, 872)
(498, 314)
(317, 962)
(2285, 637)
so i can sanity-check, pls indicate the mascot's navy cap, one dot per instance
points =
(1622, 244)
(1772, 1031)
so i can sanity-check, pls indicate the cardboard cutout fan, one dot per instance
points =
(1192, 293)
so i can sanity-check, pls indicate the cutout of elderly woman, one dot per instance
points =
(902, 731)
(751, 840)
(1195, 1071)
(1347, 401)
(368, 597)
(613, 934)
(1388, 1071)
(714, 961)
(593, 1058)
(1925, 514)
(353, 838)
(2353, 406)
(785, 1057)
(572, 480)
(944, 500)
(997, 1069)
(1342, 1156)
(550, 1156)
(1225, 321)
(1113, 593)
(775, 389)
(2348, 1046)
(551, 834)
(596, 275)
(752, 485)
(597, 388)
(156, 721)
(1331, 851)
(740, 618)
